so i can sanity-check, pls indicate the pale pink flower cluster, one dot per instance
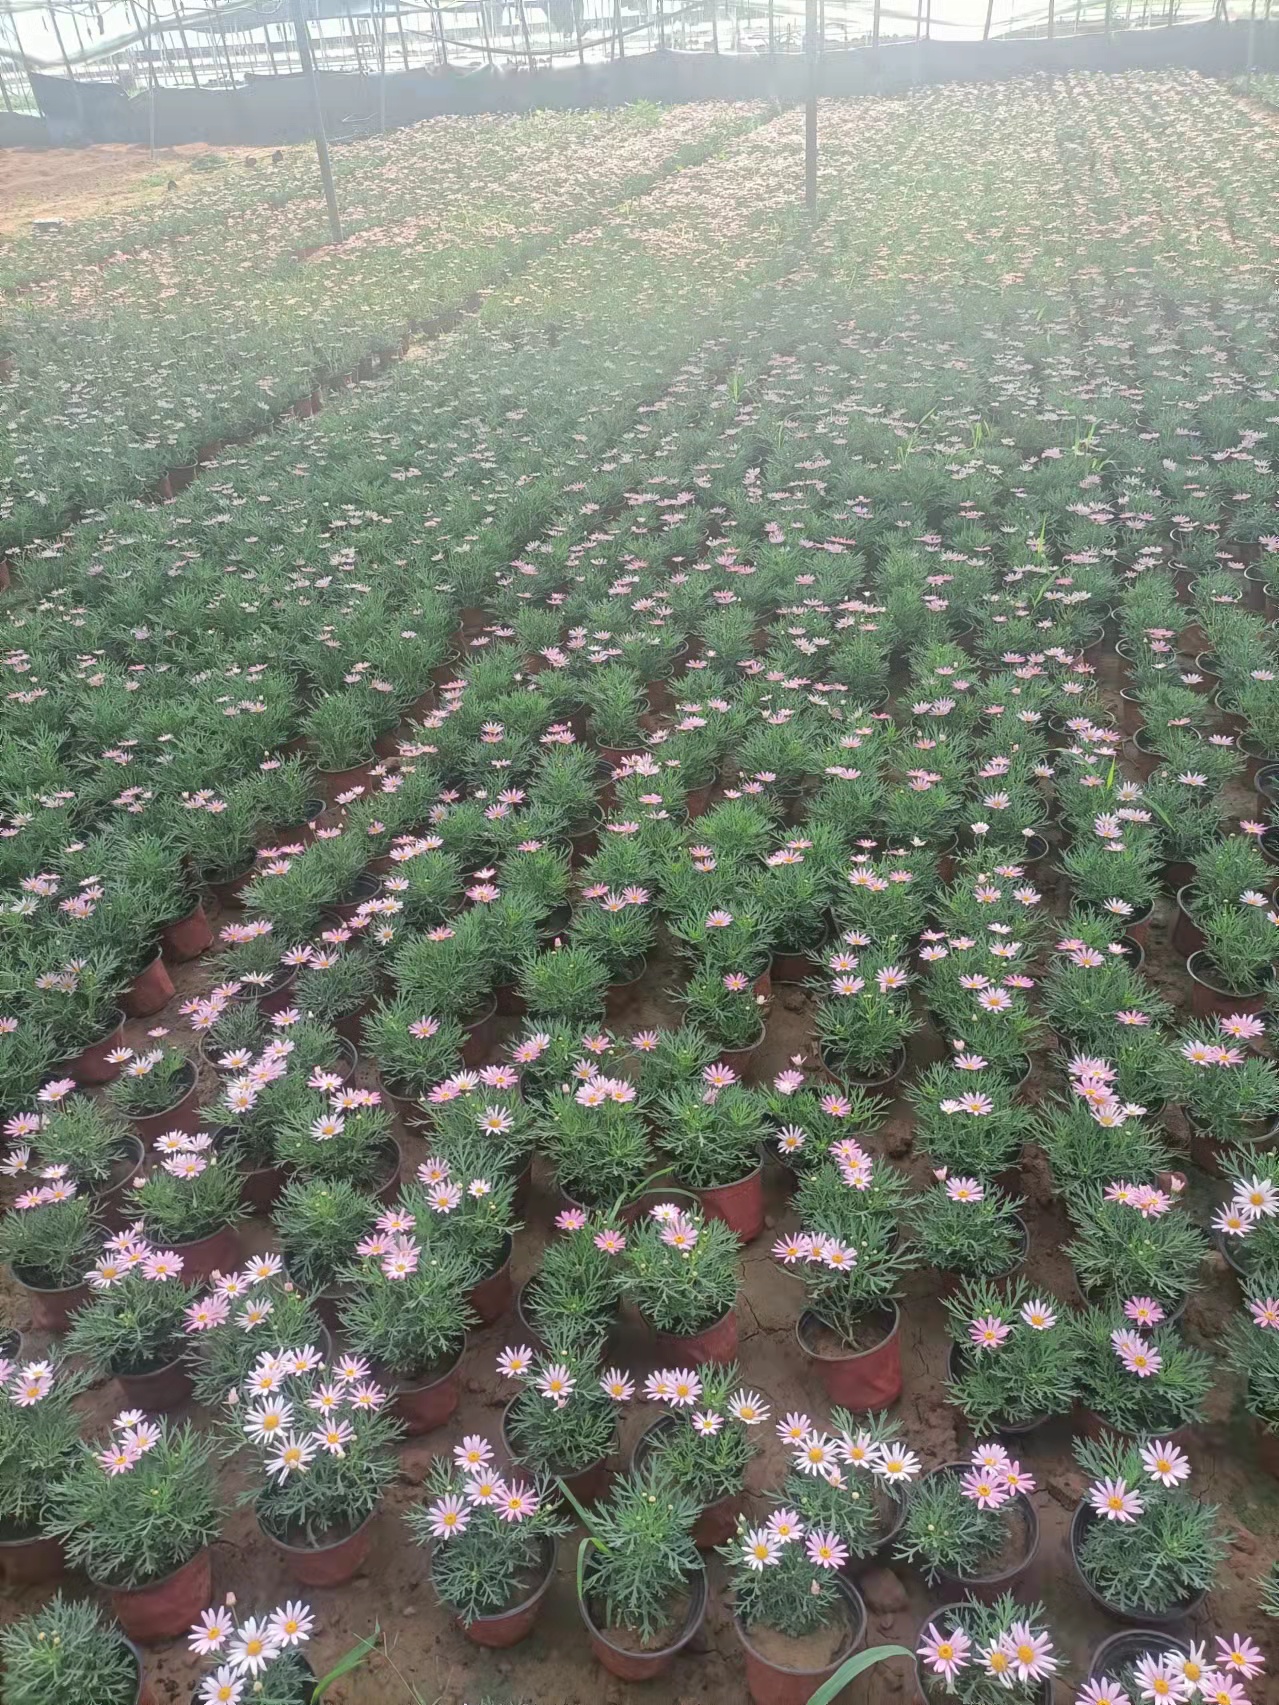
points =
(249, 1647)
(128, 1251)
(1018, 1653)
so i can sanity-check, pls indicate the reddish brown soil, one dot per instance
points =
(81, 183)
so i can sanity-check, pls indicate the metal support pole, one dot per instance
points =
(321, 141)
(1052, 18)
(186, 45)
(810, 109)
(772, 28)
(990, 12)
(381, 66)
(621, 38)
(874, 23)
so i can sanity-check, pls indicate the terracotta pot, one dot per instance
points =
(167, 1608)
(279, 994)
(588, 1485)
(162, 1388)
(1137, 927)
(715, 1343)
(91, 1065)
(330, 1565)
(151, 989)
(771, 1683)
(508, 1627)
(491, 1298)
(717, 1523)
(1264, 1440)
(261, 1187)
(523, 1187)
(792, 967)
(481, 1037)
(412, 1115)
(183, 1115)
(697, 802)
(226, 890)
(51, 1310)
(510, 1002)
(1187, 937)
(112, 1202)
(335, 782)
(1089, 1424)
(858, 1379)
(645, 1666)
(1208, 998)
(32, 1561)
(740, 1205)
(219, 1252)
(188, 937)
(360, 892)
(742, 1060)
(987, 1588)
(389, 1189)
(430, 1403)
(1083, 1519)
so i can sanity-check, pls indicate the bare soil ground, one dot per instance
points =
(82, 183)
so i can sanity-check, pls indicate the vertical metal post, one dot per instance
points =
(381, 66)
(321, 141)
(484, 31)
(810, 109)
(621, 38)
(661, 26)
(1052, 18)
(715, 26)
(577, 25)
(399, 25)
(772, 28)
(528, 45)
(186, 45)
(874, 23)
(226, 51)
(990, 12)
(444, 40)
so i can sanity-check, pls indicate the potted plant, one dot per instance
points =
(191, 1201)
(714, 1140)
(48, 1240)
(574, 1295)
(319, 1443)
(340, 1134)
(1231, 971)
(967, 1118)
(413, 1050)
(563, 1424)
(797, 1616)
(138, 1515)
(1014, 1360)
(975, 1653)
(132, 1329)
(598, 1141)
(470, 1214)
(405, 1308)
(971, 1524)
(970, 1229)
(864, 1019)
(1228, 1096)
(725, 1006)
(1146, 1550)
(703, 1442)
(493, 1543)
(319, 1223)
(78, 1138)
(155, 1091)
(564, 984)
(67, 1652)
(618, 929)
(681, 1273)
(1135, 1240)
(851, 1264)
(39, 1436)
(1248, 1227)
(641, 1583)
(1137, 1375)
(259, 1652)
(1252, 1352)
(247, 1314)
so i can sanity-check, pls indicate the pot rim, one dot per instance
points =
(853, 1601)
(1215, 988)
(436, 1379)
(969, 1582)
(550, 1546)
(558, 1473)
(188, 1066)
(315, 1550)
(849, 1355)
(1082, 1518)
(150, 1586)
(696, 1611)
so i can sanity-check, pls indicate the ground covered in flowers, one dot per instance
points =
(913, 553)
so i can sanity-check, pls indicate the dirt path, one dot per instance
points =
(81, 183)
